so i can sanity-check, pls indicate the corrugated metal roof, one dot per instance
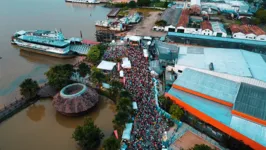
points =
(251, 100)
(251, 130)
(209, 85)
(230, 61)
(231, 77)
(215, 110)
(171, 15)
(166, 51)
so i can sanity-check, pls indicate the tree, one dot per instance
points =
(102, 47)
(115, 88)
(94, 54)
(29, 88)
(111, 143)
(132, 4)
(176, 112)
(59, 76)
(84, 69)
(121, 118)
(124, 104)
(97, 76)
(261, 15)
(88, 136)
(125, 94)
(255, 21)
(144, 2)
(201, 147)
(165, 103)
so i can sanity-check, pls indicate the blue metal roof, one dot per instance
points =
(234, 40)
(209, 85)
(230, 61)
(256, 63)
(223, 114)
(215, 110)
(251, 130)
(41, 40)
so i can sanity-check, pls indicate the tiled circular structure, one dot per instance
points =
(75, 99)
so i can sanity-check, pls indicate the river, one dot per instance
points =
(39, 127)
(17, 15)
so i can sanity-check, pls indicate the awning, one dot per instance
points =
(127, 131)
(145, 53)
(135, 106)
(135, 38)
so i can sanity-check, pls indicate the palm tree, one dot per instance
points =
(29, 88)
(97, 77)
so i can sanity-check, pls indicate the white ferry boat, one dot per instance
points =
(84, 1)
(45, 42)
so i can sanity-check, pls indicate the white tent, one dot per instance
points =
(127, 131)
(126, 63)
(145, 53)
(135, 38)
(135, 106)
(121, 73)
(147, 38)
(106, 65)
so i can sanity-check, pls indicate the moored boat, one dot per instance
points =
(50, 43)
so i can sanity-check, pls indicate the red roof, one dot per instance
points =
(184, 18)
(257, 30)
(195, 9)
(90, 42)
(247, 29)
(206, 25)
(235, 28)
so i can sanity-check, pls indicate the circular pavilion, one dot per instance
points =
(75, 99)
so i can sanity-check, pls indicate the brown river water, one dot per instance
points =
(39, 127)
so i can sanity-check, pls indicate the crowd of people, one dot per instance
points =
(149, 125)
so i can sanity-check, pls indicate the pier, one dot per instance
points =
(113, 12)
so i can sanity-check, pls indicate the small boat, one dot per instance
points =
(84, 1)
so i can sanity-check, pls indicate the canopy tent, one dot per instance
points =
(121, 73)
(106, 65)
(126, 63)
(135, 106)
(145, 53)
(127, 131)
(135, 38)
(147, 38)
(106, 85)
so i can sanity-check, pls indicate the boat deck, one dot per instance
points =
(113, 12)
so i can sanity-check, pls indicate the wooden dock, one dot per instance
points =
(113, 12)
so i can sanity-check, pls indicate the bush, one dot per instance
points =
(144, 2)
(255, 21)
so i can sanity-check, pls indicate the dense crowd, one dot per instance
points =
(115, 52)
(148, 125)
